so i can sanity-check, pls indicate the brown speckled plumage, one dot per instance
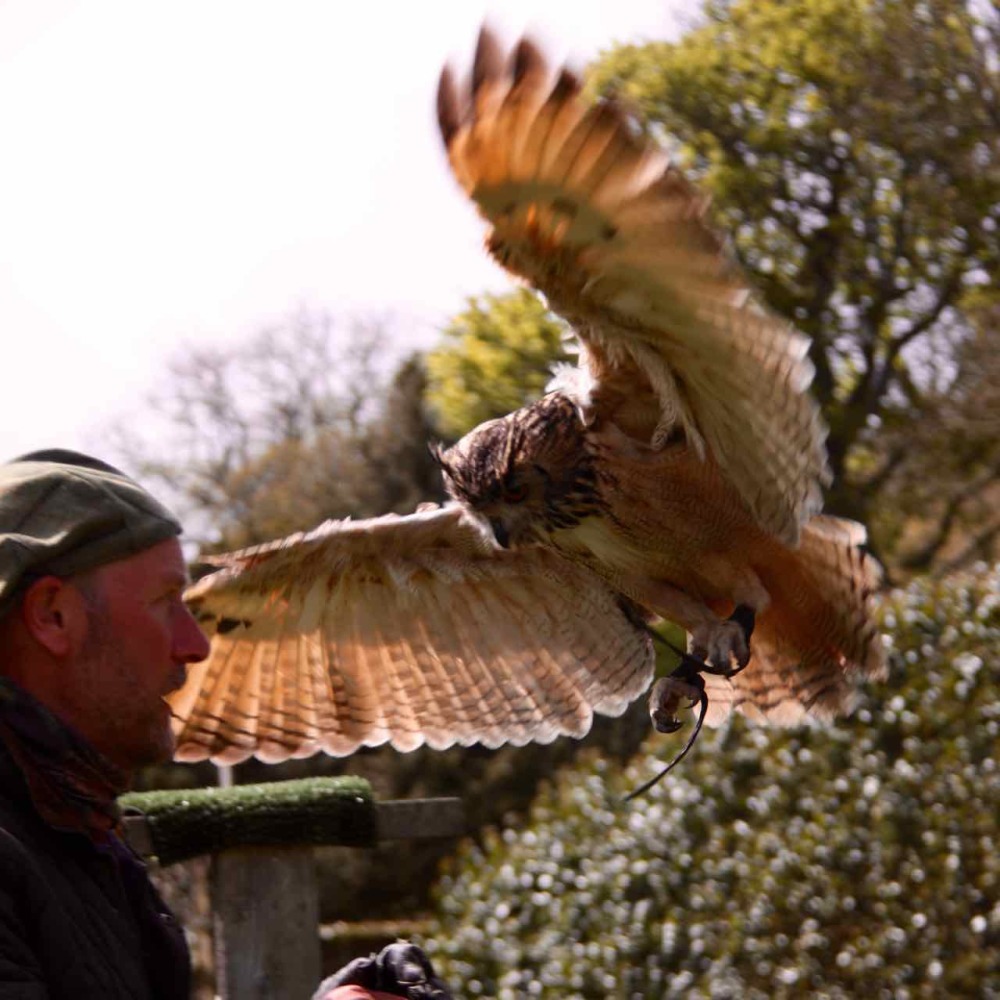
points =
(676, 472)
(407, 630)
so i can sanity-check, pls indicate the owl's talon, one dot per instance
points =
(667, 698)
(746, 617)
(664, 723)
(685, 684)
(724, 646)
(713, 650)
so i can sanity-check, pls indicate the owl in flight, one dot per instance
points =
(676, 472)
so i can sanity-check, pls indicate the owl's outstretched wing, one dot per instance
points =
(406, 630)
(596, 217)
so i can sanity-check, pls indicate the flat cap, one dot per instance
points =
(63, 513)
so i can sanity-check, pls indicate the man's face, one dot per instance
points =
(140, 638)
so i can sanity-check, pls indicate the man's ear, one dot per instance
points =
(55, 615)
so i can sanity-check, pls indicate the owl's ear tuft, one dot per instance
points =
(437, 451)
(453, 472)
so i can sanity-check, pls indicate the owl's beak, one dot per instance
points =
(500, 532)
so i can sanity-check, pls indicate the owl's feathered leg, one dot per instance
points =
(668, 694)
(666, 697)
(686, 684)
(727, 642)
(720, 643)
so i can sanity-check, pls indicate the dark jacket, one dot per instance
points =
(78, 920)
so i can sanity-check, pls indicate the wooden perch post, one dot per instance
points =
(260, 837)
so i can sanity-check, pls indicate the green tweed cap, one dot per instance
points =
(63, 513)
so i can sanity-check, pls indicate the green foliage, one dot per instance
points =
(845, 861)
(851, 149)
(941, 494)
(496, 357)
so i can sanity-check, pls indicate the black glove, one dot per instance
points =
(401, 969)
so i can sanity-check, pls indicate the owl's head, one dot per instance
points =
(516, 471)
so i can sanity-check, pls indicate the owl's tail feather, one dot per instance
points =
(817, 639)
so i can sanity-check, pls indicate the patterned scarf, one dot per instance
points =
(72, 787)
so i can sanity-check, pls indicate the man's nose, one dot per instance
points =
(191, 644)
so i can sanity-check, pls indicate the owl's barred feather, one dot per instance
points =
(598, 219)
(676, 472)
(406, 630)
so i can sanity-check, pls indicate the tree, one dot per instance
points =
(495, 356)
(856, 860)
(941, 471)
(851, 147)
(303, 422)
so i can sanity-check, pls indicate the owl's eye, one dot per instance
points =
(515, 493)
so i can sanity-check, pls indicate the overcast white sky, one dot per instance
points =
(189, 171)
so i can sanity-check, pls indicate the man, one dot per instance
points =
(94, 633)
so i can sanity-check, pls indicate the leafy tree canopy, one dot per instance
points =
(851, 147)
(940, 473)
(496, 356)
(854, 860)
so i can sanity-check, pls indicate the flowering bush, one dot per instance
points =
(861, 859)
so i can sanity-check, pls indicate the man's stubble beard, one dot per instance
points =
(130, 735)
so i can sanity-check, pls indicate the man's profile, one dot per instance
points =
(94, 633)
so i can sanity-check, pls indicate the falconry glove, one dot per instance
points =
(400, 969)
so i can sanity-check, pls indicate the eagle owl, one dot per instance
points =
(675, 472)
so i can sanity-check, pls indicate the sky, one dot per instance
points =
(186, 172)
